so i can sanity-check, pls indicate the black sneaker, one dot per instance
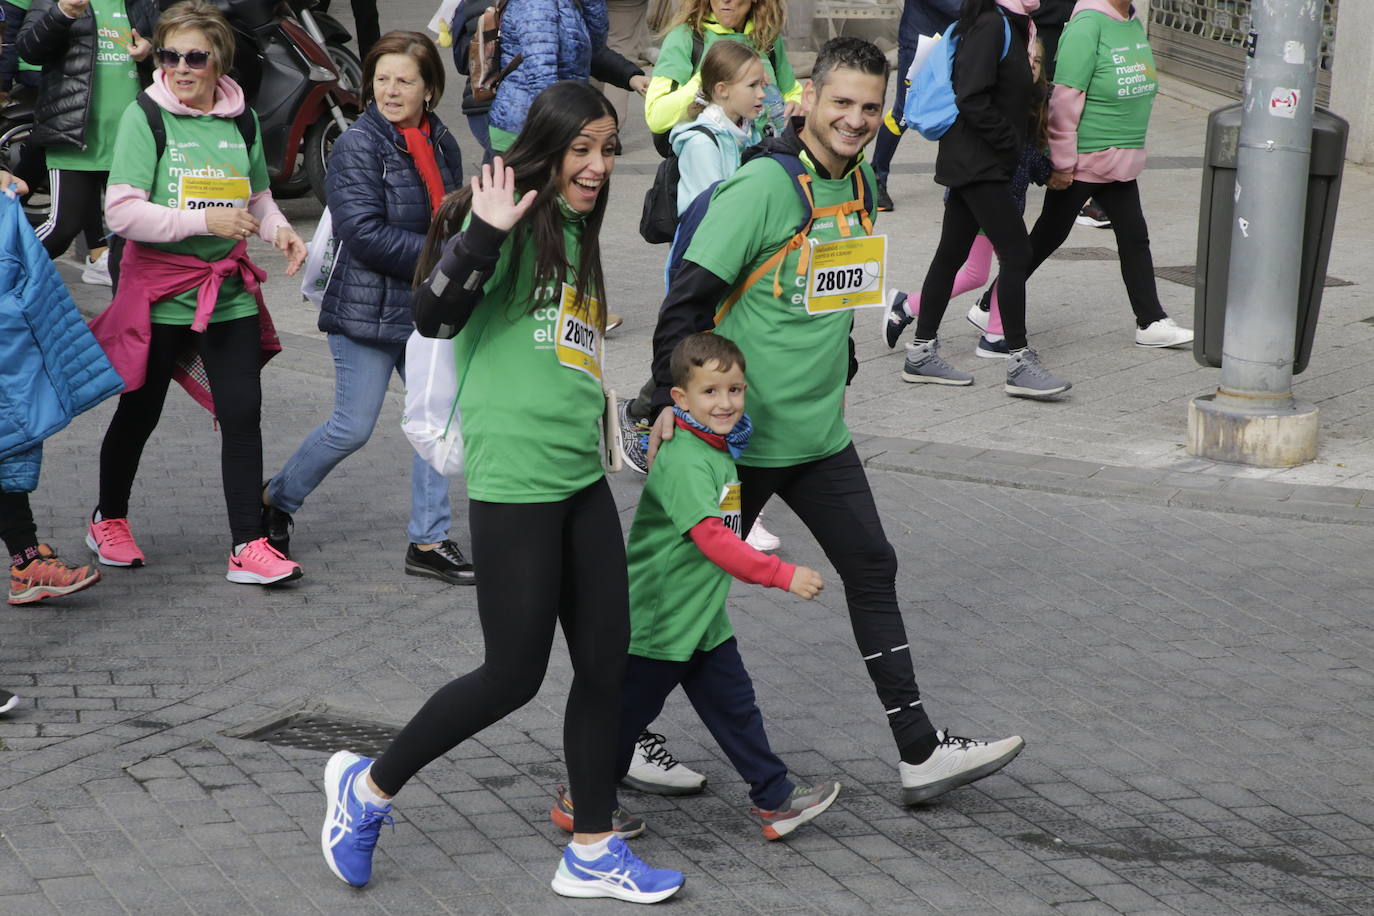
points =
(445, 563)
(634, 438)
(7, 701)
(895, 319)
(884, 201)
(278, 526)
(1094, 216)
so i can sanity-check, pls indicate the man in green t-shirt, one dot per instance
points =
(799, 354)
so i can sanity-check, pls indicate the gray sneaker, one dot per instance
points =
(802, 805)
(634, 438)
(923, 364)
(1026, 378)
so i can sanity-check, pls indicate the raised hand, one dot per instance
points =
(139, 47)
(493, 196)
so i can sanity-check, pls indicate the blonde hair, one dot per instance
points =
(205, 17)
(768, 17)
(722, 63)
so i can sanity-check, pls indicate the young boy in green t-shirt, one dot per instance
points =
(683, 549)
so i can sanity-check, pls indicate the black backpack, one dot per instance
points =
(658, 220)
(665, 149)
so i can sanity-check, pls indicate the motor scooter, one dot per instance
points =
(293, 83)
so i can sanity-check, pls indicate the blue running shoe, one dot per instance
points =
(619, 874)
(350, 826)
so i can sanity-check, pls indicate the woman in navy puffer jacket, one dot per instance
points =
(387, 174)
(558, 38)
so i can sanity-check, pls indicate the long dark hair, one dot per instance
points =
(555, 118)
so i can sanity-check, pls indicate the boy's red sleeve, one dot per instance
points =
(725, 549)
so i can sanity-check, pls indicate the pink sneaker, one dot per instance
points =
(113, 542)
(259, 563)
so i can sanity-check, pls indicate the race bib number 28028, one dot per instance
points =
(847, 274)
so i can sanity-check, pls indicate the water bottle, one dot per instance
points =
(774, 118)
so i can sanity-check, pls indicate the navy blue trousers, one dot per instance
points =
(723, 695)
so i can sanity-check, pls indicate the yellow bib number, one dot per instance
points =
(198, 193)
(579, 341)
(730, 511)
(847, 274)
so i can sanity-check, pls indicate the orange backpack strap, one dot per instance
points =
(774, 262)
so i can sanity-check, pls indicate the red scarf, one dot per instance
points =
(418, 145)
(705, 435)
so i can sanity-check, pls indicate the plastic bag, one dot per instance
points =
(319, 260)
(431, 417)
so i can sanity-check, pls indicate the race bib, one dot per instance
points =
(847, 274)
(579, 341)
(730, 512)
(197, 192)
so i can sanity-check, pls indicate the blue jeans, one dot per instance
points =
(361, 373)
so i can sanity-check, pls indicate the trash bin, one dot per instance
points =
(1217, 220)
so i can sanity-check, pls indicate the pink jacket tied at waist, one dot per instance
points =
(149, 275)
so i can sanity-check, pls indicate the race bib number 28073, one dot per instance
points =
(847, 274)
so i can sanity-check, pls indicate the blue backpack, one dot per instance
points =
(801, 182)
(930, 106)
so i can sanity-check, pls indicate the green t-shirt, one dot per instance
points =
(13, 29)
(675, 56)
(1110, 61)
(205, 164)
(677, 595)
(798, 362)
(114, 84)
(500, 140)
(529, 420)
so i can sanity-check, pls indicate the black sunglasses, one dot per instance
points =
(196, 60)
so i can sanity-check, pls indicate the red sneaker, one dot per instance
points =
(259, 563)
(113, 542)
(49, 577)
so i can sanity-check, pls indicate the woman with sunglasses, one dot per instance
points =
(95, 58)
(191, 295)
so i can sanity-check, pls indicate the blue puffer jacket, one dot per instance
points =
(557, 38)
(381, 212)
(51, 368)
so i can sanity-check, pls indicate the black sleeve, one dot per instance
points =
(610, 67)
(976, 63)
(46, 33)
(853, 359)
(690, 306)
(442, 305)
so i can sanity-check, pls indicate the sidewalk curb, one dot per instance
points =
(1160, 486)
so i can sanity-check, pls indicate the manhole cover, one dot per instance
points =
(1085, 254)
(315, 731)
(1187, 276)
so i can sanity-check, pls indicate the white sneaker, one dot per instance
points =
(979, 318)
(760, 538)
(1163, 333)
(654, 770)
(97, 272)
(956, 762)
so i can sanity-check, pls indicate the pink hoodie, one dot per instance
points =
(131, 214)
(1066, 110)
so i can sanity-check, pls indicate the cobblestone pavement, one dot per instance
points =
(1193, 688)
(1186, 651)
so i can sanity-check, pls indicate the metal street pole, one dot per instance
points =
(1253, 418)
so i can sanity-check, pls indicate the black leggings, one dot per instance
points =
(230, 350)
(985, 205)
(832, 498)
(1120, 200)
(78, 203)
(17, 528)
(541, 563)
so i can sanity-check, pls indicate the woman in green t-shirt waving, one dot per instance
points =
(519, 288)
